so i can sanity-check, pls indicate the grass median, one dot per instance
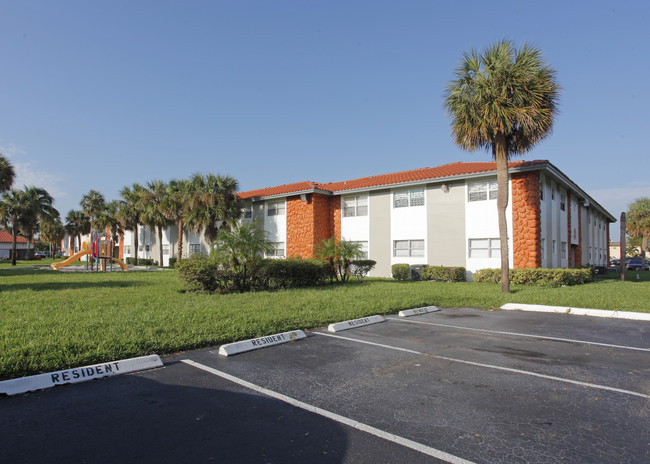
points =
(51, 320)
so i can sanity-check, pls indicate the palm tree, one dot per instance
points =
(107, 219)
(11, 210)
(153, 212)
(130, 212)
(241, 248)
(91, 203)
(638, 224)
(213, 200)
(52, 232)
(176, 207)
(37, 207)
(7, 174)
(503, 100)
(329, 250)
(76, 224)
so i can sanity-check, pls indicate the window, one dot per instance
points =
(355, 206)
(484, 248)
(127, 249)
(248, 212)
(562, 203)
(275, 208)
(554, 250)
(406, 248)
(563, 250)
(165, 248)
(195, 248)
(479, 191)
(146, 248)
(278, 249)
(363, 253)
(405, 198)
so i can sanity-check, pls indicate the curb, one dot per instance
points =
(577, 311)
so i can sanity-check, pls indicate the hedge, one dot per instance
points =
(401, 271)
(444, 274)
(541, 277)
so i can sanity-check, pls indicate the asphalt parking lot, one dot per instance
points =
(459, 385)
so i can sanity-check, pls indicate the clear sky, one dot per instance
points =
(98, 95)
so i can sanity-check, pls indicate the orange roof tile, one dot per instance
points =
(5, 237)
(446, 170)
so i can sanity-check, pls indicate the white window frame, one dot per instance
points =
(165, 249)
(483, 190)
(363, 254)
(408, 248)
(278, 250)
(355, 205)
(563, 250)
(408, 198)
(194, 248)
(248, 211)
(484, 247)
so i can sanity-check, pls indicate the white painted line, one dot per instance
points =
(491, 366)
(79, 374)
(417, 311)
(515, 334)
(424, 449)
(262, 342)
(577, 311)
(345, 325)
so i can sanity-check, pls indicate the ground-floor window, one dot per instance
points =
(484, 248)
(127, 249)
(363, 253)
(406, 248)
(165, 248)
(195, 248)
(277, 251)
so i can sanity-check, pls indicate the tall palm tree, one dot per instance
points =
(503, 100)
(107, 218)
(91, 203)
(7, 174)
(37, 207)
(76, 224)
(213, 200)
(130, 212)
(176, 207)
(153, 212)
(52, 232)
(11, 210)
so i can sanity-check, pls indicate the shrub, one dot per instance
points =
(361, 267)
(141, 261)
(444, 274)
(541, 277)
(290, 273)
(401, 271)
(172, 262)
(204, 274)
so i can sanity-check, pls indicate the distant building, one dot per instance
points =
(6, 243)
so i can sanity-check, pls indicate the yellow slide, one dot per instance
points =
(78, 255)
(70, 260)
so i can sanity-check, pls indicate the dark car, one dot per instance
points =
(634, 264)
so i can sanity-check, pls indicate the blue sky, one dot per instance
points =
(98, 95)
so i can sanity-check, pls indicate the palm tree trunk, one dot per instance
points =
(137, 245)
(13, 247)
(160, 247)
(180, 239)
(502, 205)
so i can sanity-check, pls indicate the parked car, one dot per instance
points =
(634, 264)
(614, 262)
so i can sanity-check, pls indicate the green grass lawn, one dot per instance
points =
(52, 320)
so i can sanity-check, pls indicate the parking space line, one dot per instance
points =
(501, 368)
(542, 337)
(450, 458)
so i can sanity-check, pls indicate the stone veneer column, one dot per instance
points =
(526, 223)
(309, 222)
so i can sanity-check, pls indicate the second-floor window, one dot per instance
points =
(355, 206)
(275, 208)
(406, 198)
(479, 191)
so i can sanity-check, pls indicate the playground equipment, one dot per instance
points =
(101, 250)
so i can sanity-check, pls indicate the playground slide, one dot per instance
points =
(121, 263)
(70, 260)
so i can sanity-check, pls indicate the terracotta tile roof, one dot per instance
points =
(446, 170)
(5, 237)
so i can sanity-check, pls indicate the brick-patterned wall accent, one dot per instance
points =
(335, 217)
(526, 224)
(309, 222)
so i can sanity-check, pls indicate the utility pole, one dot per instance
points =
(623, 264)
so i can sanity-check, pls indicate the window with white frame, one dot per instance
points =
(562, 202)
(563, 250)
(406, 198)
(165, 248)
(356, 205)
(127, 249)
(277, 251)
(248, 212)
(554, 249)
(195, 248)
(146, 248)
(484, 248)
(408, 248)
(479, 191)
(363, 251)
(275, 208)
